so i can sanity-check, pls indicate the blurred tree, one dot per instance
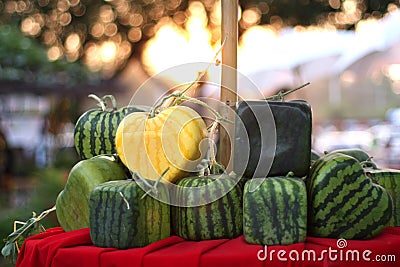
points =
(343, 14)
(24, 60)
(105, 34)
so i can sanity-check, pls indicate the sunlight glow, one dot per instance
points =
(173, 45)
(349, 6)
(108, 51)
(191, 37)
(393, 72)
(254, 40)
(366, 24)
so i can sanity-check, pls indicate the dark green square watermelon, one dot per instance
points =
(277, 136)
(275, 211)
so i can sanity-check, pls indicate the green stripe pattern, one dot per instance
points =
(390, 180)
(222, 218)
(343, 201)
(95, 130)
(275, 212)
(120, 218)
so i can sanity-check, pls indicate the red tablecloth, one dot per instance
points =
(57, 248)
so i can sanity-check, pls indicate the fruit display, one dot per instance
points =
(292, 151)
(222, 218)
(73, 202)
(95, 129)
(169, 140)
(157, 176)
(275, 211)
(123, 216)
(166, 145)
(343, 202)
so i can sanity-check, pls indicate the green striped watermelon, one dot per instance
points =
(120, 217)
(390, 180)
(95, 130)
(343, 201)
(275, 211)
(221, 218)
(356, 153)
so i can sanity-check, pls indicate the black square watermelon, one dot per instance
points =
(279, 138)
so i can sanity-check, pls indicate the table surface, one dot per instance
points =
(56, 248)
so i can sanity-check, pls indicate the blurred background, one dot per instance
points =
(53, 53)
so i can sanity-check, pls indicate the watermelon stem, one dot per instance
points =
(213, 166)
(210, 166)
(154, 110)
(113, 101)
(211, 139)
(152, 188)
(218, 117)
(369, 164)
(100, 101)
(290, 174)
(281, 94)
(126, 201)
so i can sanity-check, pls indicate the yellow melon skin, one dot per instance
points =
(172, 139)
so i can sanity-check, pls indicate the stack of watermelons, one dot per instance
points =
(337, 195)
(137, 180)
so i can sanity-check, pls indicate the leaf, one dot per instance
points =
(16, 238)
(20, 231)
(6, 251)
(10, 252)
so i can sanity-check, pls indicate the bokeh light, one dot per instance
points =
(138, 22)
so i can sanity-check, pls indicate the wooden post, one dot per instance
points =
(229, 30)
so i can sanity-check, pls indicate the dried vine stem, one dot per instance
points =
(152, 188)
(161, 103)
(213, 130)
(179, 95)
(218, 117)
(281, 95)
(36, 219)
(11, 242)
(100, 101)
(201, 74)
(45, 213)
(125, 200)
(113, 101)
